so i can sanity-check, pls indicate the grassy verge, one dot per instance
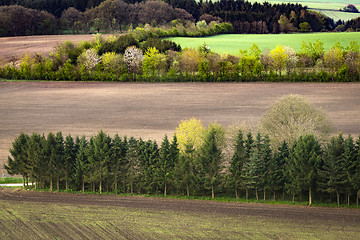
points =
(10, 180)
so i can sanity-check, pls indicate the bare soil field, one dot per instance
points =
(45, 215)
(14, 48)
(152, 110)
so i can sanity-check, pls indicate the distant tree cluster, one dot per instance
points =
(19, 21)
(144, 56)
(198, 164)
(350, 8)
(118, 15)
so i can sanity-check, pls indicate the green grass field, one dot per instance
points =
(232, 43)
(63, 221)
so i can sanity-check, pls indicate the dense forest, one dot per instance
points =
(305, 170)
(23, 17)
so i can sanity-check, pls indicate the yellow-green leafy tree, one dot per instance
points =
(278, 57)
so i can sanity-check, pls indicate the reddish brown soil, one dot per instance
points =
(14, 48)
(152, 110)
(300, 213)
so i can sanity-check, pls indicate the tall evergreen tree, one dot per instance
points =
(69, 159)
(305, 156)
(118, 159)
(211, 159)
(350, 165)
(277, 169)
(133, 163)
(237, 162)
(167, 160)
(81, 163)
(356, 178)
(59, 158)
(51, 155)
(99, 155)
(19, 163)
(184, 169)
(36, 156)
(332, 175)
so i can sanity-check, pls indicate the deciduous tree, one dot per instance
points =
(291, 117)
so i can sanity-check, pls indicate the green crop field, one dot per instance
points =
(19, 220)
(232, 43)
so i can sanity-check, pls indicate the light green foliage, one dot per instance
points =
(204, 48)
(279, 58)
(313, 49)
(189, 133)
(113, 62)
(291, 117)
(334, 59)
(255, 51)
(153, 62)
(305, 27)
(201, 25)
(250, 65)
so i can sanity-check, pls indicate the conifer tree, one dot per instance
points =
(350, 165)
(237, 162)
(81, 163)
(277, 169)
(118, 159)
(51, 156)
(210, 159)
(184, 169)
(69, 159)
(166, 164)
(356, 178)
(332, 175)
(59, 158)
(19, 163)
(305, 156)
(99, 155)
(36, 157)
(133, 162)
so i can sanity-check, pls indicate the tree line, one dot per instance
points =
(18, 17)
(198, 164)
(145, 56)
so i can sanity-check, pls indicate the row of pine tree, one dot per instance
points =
(330, 171)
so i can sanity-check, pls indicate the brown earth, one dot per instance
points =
(152, 110)
(14, 48)
(275, 211)
(45, 215)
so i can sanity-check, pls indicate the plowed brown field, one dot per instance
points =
(152, 110)
(45, 215)
(14, 48)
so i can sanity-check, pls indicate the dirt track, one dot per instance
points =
(299, 213)
(152, 110)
